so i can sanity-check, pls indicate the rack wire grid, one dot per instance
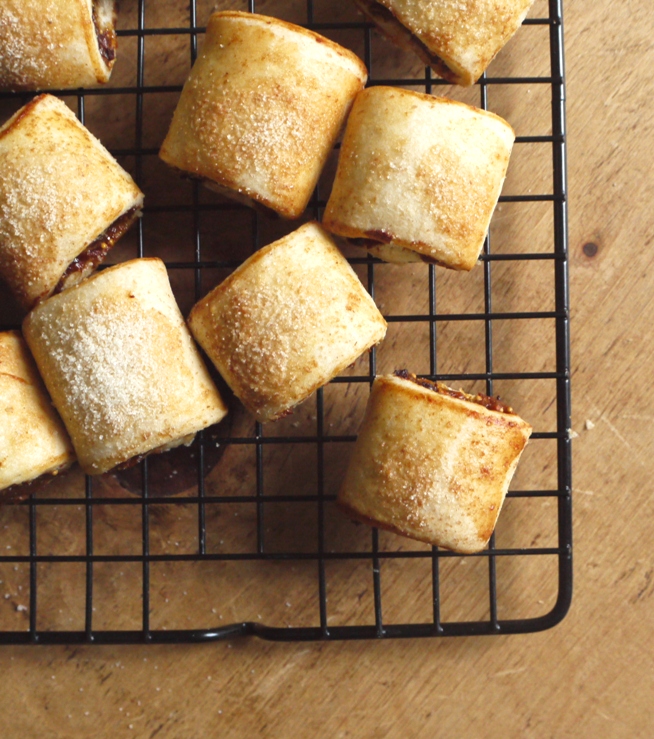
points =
(72, 574)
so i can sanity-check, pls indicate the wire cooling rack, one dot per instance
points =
(187, 568)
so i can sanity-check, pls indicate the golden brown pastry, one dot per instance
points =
(289, 319)
(64, 200)
(121, 366)
(261, 110)
(418, 177)
(433, 463)
(33, 441)
(458, 39)
(56, 44)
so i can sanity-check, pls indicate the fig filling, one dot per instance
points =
(401, 35)
(487, 401)
(106, 36)
(96, 251)
(372, 243)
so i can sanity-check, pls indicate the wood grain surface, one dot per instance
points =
(593, 675)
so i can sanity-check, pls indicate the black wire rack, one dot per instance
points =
(374, 556)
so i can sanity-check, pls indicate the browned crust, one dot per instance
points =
(440, 100)
(303, 109)
(19, 115)
(356, 516)
(402, 479)
(368, 225)
(436, 47)
(269, 380)
(337, 48)
(137, 317)
(59, 44)
(34, 256)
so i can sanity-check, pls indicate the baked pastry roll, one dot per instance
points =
(33, 441)
(64, 200)
(60, 44)
(261, 110)
(121, 366)
(290, 318)
(458, 40)
(418, 177)
(432, 463)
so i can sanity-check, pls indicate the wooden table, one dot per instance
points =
(593, 675)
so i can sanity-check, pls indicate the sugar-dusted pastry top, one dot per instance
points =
(33, 441)
(121, 366)
(286, 321)
(433, 463)
(60, 191)
(56, 44)
(261, 109)
(420, 173)
(457, 38)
